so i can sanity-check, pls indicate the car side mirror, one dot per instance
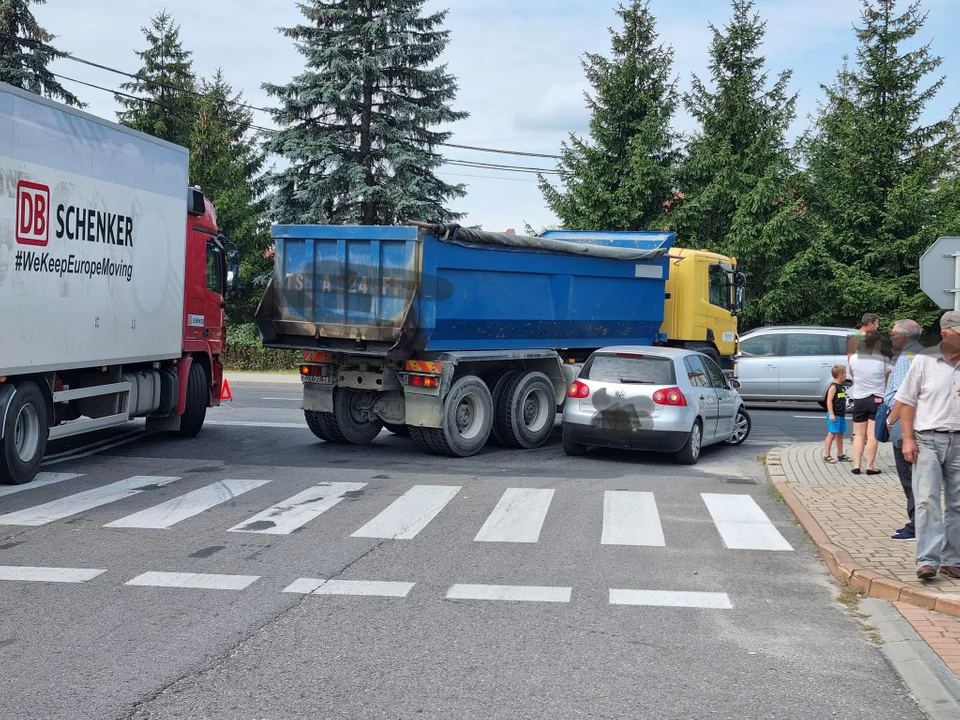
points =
(735, 384)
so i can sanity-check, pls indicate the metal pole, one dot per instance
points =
(956, 281)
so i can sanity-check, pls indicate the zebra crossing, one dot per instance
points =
(629, 518)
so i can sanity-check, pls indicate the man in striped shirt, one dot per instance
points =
(930, 416)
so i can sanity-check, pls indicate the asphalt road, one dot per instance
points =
(639, 588)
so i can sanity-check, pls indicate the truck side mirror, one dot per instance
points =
(233, 271)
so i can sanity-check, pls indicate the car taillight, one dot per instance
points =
(578, 390)
(670, 396)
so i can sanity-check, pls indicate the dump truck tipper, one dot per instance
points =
(456, 337)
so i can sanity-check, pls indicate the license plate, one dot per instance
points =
(315, 379)
(620, 425)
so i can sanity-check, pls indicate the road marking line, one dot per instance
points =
(247, 423)
(810, 417)
(410, 513)
(518, 517)
(303, 586)
(742, 524)
(48, 574)
(41, 480)
(518, 593)
(368, 588)
(631, 518)
(663, 598)
(292, 513)
(164, 515)
(80, 502)
(289, 398)
(199, 581)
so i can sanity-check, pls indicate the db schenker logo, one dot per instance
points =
(33, 213)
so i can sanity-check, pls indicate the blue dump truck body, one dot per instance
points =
(407, 290)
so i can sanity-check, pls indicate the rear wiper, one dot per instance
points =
(628, 381)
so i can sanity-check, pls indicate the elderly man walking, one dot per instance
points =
(930, 415)
(905, 339)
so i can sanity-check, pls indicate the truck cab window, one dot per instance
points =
(214, 269)
(719, 287)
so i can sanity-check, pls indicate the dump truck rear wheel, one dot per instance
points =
(24, 435)
(399, 430)
(349, 419)
(315, 423)
(527, 410)
(467, 419)
(498, 434)
(419, 437)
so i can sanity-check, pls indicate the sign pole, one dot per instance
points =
(956, 280)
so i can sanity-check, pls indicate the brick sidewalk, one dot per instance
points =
(851, 518)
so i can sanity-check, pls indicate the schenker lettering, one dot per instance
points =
(94, 226)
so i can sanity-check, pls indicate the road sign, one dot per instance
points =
(940, 273)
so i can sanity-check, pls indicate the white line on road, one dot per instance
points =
(289, 398)
(367, 588)
(42, 479)
(80, 502)
(662, 598)
(518, 517)
(285, 517)
(303, 586)
(742, 524)
(631, 518)
(409, 513)
(48, 574)
(246, 423)
(518, 593)
(200, 581)
(809, 417)
(166, 514)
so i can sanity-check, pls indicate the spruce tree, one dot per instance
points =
(739, 183)
(882, 186)
(167, 84)
(227, 163)
(623, 178)
(357, 123)
(25, 52)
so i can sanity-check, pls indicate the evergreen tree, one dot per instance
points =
(356, 124)
(166, 82)
(882, 185)
(623, 180)
(227, 164)
(25, 52)
(739, 183)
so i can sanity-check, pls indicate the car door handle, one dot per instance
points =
(770, 366)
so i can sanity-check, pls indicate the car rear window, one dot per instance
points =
(613, 368)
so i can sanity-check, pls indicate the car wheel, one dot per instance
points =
(690, 452)
(741, 428)
(571, 448)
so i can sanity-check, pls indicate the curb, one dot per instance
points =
(262, 382)
(841, 564)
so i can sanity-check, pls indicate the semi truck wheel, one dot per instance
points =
(399, 430)
(419, 437)
(24, 435)
(467, 419)
(526, 410)
(315, 423)
(198, 397)
(349, 424)
(498, 436)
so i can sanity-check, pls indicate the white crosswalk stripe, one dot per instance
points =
(41, 480)
(518, 517)
(742, 524)
(202, 581)
(512, 593)
(83, 501)
(665, 598)
(295, 512)
(410, 513)
(167, 514)
(631, 518)
(48, 574)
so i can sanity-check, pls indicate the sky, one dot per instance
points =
(518, 65)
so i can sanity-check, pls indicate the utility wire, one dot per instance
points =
(454, 161)
(70, 56)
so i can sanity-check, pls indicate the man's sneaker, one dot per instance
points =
(927, 572)
(904, 534)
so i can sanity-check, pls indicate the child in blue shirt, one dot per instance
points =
(836, 415)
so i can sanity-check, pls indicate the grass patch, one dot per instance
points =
(245, 353)
(849, 597)
(762, 459)
(775, 493)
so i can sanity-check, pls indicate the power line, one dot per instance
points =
(70, 56)
(453, 161)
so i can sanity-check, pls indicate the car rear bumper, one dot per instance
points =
(653, 440)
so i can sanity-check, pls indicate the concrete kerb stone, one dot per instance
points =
(253, 379)
(842, 566)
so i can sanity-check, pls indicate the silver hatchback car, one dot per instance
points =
(653, 398)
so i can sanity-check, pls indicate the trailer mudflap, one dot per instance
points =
(317, 398)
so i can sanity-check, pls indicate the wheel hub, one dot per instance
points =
(26, 433)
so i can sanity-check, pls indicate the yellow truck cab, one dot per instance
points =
(704, 295)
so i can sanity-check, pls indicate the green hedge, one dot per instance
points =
(245, 353)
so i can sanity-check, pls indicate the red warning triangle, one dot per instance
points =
(225, 391)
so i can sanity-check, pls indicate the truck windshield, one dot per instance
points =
(643, 370)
